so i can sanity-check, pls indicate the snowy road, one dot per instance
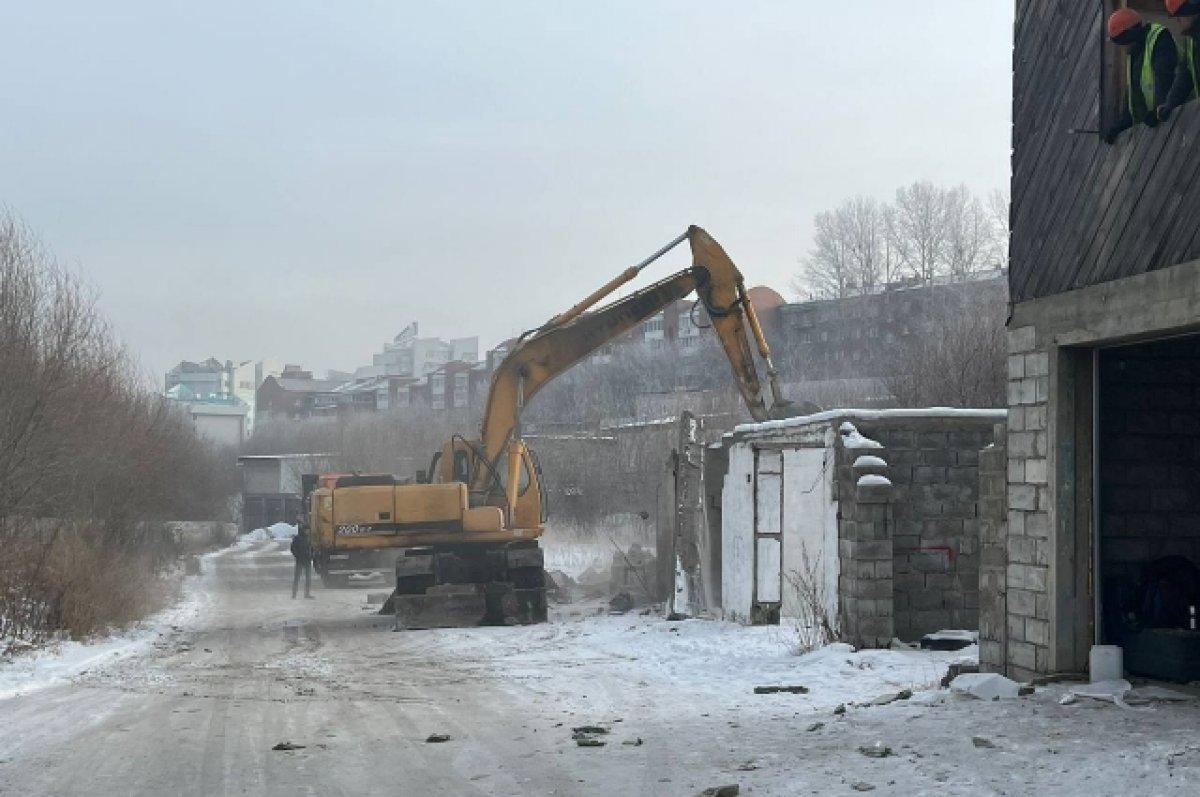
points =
(198, 711)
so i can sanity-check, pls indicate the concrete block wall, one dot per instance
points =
(933, 464)
(993, 554)
(1027, 537)
(909, 551)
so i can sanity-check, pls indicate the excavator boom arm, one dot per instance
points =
(548, 351)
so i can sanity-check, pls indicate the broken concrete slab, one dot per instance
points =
(985, 686)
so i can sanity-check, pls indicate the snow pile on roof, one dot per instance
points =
(871, 415)
(854, 439)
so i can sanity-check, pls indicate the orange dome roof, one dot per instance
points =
(764, 298)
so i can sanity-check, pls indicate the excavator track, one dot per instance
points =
(464, 586)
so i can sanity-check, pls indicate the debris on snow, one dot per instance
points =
(985, 686)
(288, 746)
(594, 729)
(877, 750)
(816, 726)
(959, 668)
(860, 785)
(774, 690)
(437, 738)
(983, 743)
(888, 699)
(587, 735)
(732, 790)
(949, 640)
(1107, 691)
(621, 602)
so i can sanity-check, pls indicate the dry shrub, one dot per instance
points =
(815, 627)
(67, 580)
(90, 458)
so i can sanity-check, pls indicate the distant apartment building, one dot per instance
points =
(294, 394)
(858, 336)
(247, 378)
(408, 355)
(221, 420)
(213, 385)
(208, 378)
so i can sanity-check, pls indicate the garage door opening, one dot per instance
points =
(1149, 517)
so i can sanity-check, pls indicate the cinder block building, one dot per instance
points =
(873, 515)
(1099, 540)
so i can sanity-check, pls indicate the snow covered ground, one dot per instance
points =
(61, 661)
(195, 701)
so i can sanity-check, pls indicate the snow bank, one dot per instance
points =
(61, 662)
(279, 531)
(703, 662)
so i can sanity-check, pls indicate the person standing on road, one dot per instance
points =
(302, 551)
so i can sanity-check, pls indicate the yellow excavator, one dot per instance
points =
(466, 531)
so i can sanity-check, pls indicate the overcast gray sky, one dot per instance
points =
(302, 179)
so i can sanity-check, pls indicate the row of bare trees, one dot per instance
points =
(90, 457)
(926, 232)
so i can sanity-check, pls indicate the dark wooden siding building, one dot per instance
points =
(1103, 444)
(1083, 211)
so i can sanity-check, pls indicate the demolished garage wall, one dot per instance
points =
(885, 504)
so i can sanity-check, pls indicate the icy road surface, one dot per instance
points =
(196, 709)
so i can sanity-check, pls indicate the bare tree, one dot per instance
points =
(849, 253)
(89, 457)
(918, 229)
(998, 206)
(828, 271)
(865, 230)
(969, 234)
(956, 358)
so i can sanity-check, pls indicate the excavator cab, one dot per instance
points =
(464, 461)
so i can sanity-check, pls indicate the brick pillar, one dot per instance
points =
(865, 549)
(993, 560)
(1027, 535)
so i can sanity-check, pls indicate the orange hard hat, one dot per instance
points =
(1183, 8)
(1122, 21)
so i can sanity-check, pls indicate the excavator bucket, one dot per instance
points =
(444, 606)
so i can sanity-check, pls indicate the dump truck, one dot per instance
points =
(465, 532)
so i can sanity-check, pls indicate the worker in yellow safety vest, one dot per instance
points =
(1149, 68)
(1186, 86)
